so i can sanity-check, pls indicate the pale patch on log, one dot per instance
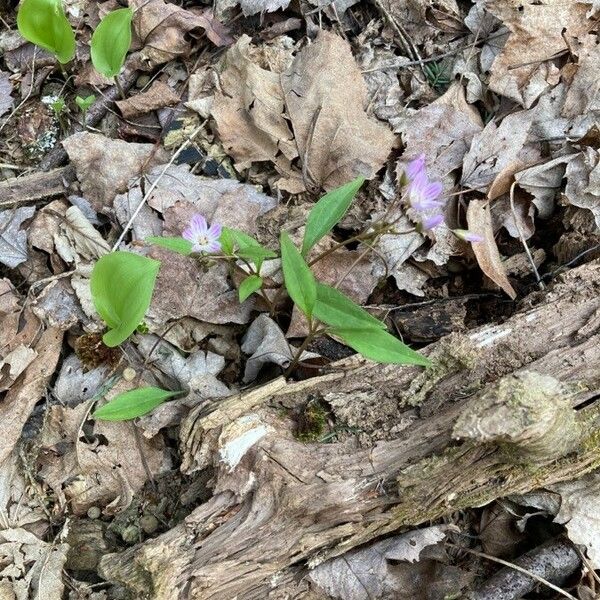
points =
(287, 505)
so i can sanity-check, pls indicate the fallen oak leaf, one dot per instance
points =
(326, 97)
(486, 252)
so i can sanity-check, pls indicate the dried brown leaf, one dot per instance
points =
(157, 96)
(326, 97)
(486, 252)
(27, 390)
(104, 468)
(524, 69)
(104, 166)
(369, 572)
(249, 110)
(6, 101)
(13, 239)
(583, 96)
(583, 182)
(162, 29)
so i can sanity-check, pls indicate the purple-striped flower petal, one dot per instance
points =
(431, 222)
(214, 230)
(467, 236)
(415, 167)
(199, 224)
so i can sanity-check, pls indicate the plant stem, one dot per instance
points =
(312, 333)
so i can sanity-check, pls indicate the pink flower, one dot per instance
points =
(415, 167)
(467, 236)
(203, 238)
(423, 195)
(431, 222)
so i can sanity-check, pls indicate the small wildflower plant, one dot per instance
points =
(122, 283)
(44, 23)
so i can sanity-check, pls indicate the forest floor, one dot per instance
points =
(248, 112)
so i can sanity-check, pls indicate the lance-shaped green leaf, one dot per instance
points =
(133, 404)
(43, 23)
(122, 284)
(234, 241)
(175, 244)
(379, 345)
(111, 41)
(336, 309)
(327, 212)
(299, 280)
(251, 284)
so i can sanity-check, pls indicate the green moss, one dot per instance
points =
(453, 354)
(311, 421)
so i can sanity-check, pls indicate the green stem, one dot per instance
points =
(313, 331)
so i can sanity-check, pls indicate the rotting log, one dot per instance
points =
(430, 443)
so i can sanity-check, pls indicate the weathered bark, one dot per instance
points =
(280, 505)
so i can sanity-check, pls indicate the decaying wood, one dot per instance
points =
(35, 187)
(280, 506)
(554, 561)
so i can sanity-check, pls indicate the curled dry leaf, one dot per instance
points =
(265, 341)
(543, 182)
(157, 96)
(162, 29)
(497, 153)
(104, 166)
(479, 219)
(539, 32)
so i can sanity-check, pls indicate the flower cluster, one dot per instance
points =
(204, 238)
(423, 196)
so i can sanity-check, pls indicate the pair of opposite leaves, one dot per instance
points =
(44, 23)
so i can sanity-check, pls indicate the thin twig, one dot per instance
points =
(522, 237)
(155, 184)
(516, 568)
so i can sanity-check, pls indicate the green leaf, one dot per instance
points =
(336, 309)
(135, 403)
(85, 103)
(299, 280)
(122, 284)
(328, 211)
(43, 23)
(111, 41)
(249, 286)
(234, 241)
(380, 346)
(176, 244)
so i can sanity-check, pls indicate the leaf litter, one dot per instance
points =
(500, 97)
